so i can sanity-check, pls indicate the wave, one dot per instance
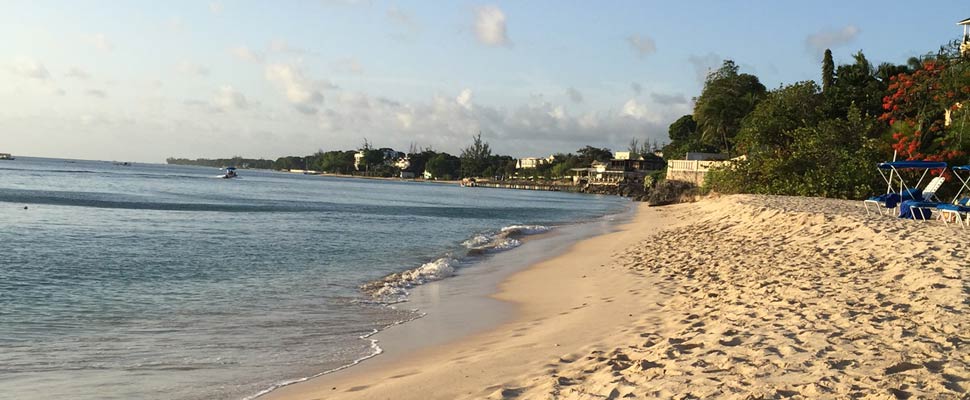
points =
(394, 288)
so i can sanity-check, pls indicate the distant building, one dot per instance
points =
(622, 155)
(358, 159)
(403, 163)
(533, 162)
(620, 168)
(407, 175)
(965, 44)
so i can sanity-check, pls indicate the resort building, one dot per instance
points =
(620, 168)
(965, 44)
(532, 162)
(6, 156)
(622, 155)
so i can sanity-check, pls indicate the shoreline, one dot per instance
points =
(395, 359)
(735, 297)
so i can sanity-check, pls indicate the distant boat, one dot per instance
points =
(6, 156)
(123, 164)
(230, 173)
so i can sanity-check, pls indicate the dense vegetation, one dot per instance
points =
(802, 139)
(475, 161)
(236, 161)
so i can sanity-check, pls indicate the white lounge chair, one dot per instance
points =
(929, 201)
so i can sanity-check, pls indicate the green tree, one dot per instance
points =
(726, 99)
(589, 154)
(857, 84)
(828, 70)
(634, 148)
(339, 162)
(443, 166)
(474, 158)
(769, 126)
(684, 138)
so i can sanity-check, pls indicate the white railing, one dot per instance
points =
(692, 165)
(691, 170)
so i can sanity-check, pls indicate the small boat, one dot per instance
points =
(6, 156)
(230, 173)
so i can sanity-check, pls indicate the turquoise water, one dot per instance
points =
(156, 281)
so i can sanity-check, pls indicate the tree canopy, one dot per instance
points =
(475, 158)
(727, 97)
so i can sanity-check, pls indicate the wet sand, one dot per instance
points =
(741, 297)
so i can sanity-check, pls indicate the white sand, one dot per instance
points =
(744, 297)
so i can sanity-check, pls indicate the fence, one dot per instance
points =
(690, 170)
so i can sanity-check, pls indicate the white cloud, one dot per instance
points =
(643, 45)
(281, 46)
(446, 123)
(406, 120)
(190, 68)
(303, 93)
(246, 54)
(29, 68)
(464, 99)
(490, 26)
(215, 7)
(101, 42)
(558, 112)
(634, 109)
(574, 95)
(96, 93)
(821, 40)
(228, 97)
(77, 73)
(348, 66)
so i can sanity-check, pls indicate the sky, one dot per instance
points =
(146, 80)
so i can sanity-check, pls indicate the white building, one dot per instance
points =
(358, 159)
(533, 162)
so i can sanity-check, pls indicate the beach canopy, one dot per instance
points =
(962, 168)
(912, 164)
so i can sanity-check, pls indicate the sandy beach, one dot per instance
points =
(746, 297)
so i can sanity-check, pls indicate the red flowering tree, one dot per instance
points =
(928, 110)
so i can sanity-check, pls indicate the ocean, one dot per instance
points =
(152, 281)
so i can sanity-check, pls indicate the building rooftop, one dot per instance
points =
(964, 22)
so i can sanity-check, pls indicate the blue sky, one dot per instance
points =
(141, 81)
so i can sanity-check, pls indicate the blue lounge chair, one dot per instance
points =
(897, 190)
(922, 209)
(959, 209)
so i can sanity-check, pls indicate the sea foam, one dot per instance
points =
(394, 288)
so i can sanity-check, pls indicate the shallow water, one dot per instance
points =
(155, 281)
